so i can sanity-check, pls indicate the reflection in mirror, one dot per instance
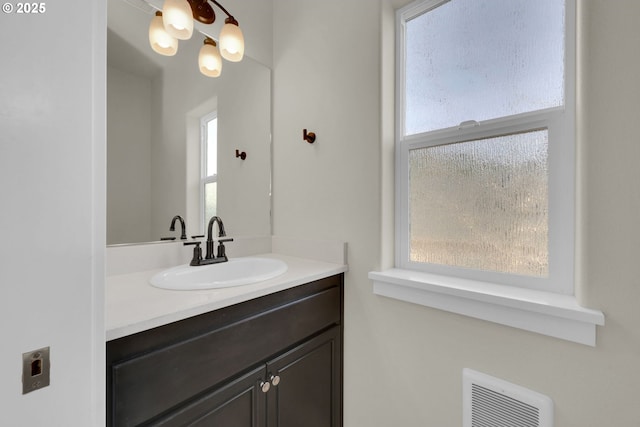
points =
(157, 108)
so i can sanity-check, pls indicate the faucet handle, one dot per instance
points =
(197, 253)
(221, 250)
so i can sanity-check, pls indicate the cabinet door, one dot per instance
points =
(240, 403)
(308, 391)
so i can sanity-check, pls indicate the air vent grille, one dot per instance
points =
(491, 409)
(491, 402)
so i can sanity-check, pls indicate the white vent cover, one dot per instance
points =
(492, 402)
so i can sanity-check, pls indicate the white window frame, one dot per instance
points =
(543, 305)
(561, 208)
(204, 178)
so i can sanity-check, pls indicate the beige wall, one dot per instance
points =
(403, 361)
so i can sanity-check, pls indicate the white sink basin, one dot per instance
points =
(235, 272)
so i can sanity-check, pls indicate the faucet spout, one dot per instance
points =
(221, 233)
(183, 234)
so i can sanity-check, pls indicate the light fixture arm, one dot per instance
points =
(203, 11)
(224, 10)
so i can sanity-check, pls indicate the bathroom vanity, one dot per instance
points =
(266, 354)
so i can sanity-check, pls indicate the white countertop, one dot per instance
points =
(133, 305)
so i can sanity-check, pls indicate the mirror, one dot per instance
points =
(154, 107)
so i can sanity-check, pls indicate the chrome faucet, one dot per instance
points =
(209, 258)
(183, 234)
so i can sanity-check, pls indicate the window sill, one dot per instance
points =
(555, 315)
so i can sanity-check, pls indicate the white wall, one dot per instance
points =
(255, 20)
(244, 123)
(52, 141)
(403, 361)
(327, 80)
(128, 157)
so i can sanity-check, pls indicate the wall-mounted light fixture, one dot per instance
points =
(175, 22)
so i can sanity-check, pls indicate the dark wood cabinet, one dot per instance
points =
(309, 385)
(272, 361)
(239, 403)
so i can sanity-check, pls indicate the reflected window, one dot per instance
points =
(209, 180)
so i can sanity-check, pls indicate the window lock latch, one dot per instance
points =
(468, 124)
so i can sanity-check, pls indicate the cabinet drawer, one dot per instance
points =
(151, 383)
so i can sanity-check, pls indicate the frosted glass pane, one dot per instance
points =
(210, 200)
(483, 59)
(482, 204)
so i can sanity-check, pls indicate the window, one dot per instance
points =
(209, 167)
(485, 169)
(485, 143)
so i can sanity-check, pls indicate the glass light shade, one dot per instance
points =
(231, 41)
(161, 42)
(209, 59)
(178, 18)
